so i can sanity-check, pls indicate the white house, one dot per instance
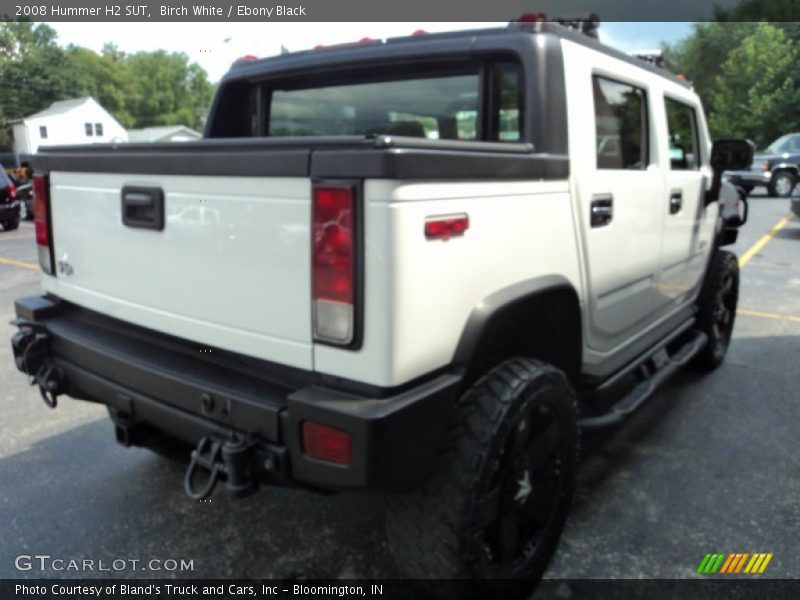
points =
(167, 133)
(76, 121)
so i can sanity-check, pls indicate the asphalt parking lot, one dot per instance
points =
(710, 464)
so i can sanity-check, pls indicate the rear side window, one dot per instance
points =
(507, 97)
(683, 142)
(620, 124)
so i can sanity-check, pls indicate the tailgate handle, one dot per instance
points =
(143, 207)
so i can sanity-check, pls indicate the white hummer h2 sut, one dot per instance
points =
(420, 264)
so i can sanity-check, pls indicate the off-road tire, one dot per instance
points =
(782, 184)
(717, 308)
(11, 225)
(436, 532)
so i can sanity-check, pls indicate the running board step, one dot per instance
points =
(665, 367)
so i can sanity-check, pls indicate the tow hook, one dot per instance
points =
(30, 355)
(230, 458)
(51, 382)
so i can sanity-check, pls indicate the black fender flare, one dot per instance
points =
(528, 290)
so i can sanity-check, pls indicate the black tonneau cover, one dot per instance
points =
(352, 157)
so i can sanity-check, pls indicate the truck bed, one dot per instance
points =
(229, 267)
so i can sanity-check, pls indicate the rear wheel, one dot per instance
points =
(501, 488)
(717, 308)
(782, 184)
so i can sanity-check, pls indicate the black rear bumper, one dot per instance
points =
(188, 393)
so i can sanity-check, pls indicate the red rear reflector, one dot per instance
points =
(12, 190)
(532, 17)
(326, 443)
(443, 228)
(40, 209)
(332, 230)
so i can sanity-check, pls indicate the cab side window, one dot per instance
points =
(683, 144)
(508, 100)
(620, 112)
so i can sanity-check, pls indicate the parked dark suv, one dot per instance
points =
(9, 205)
(777, 168)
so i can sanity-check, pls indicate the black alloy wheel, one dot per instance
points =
(500, 489)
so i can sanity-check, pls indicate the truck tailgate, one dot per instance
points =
(230, 269)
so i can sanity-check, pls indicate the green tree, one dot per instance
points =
(17, 38)
(760, 10)
(701, 55)
(167, 89)
(140, 90)
(783, 14)
(105, 77)
(5, 133)
(32, 68)
(756, 93)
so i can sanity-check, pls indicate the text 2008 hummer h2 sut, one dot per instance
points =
(406, 266)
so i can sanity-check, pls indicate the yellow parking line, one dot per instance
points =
(745, 258)
(17, 263)
(16, 236)
(767, 315)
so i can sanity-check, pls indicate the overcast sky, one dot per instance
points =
(216, 45)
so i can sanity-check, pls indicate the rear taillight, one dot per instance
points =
(333, 261)
(326, 443)
(12, 190)
(41, 209)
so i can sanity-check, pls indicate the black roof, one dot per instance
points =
(398, 47)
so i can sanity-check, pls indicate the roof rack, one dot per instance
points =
(586, 23)
(654, 57)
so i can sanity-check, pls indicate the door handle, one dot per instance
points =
(675, 202)
(602, 210)
(143, 208)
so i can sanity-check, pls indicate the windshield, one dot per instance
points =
(785, 143)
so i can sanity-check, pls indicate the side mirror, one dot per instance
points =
(728, 155)
(732, 155)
